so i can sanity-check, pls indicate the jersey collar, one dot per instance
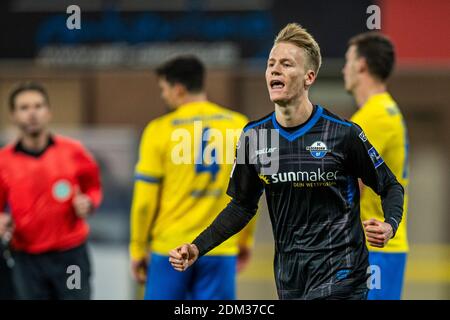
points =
(376, 98)
(291, 136)
(36, 154)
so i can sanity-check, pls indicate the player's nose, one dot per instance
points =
(275, 72)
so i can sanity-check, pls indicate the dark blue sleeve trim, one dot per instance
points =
(336, 120)
(146, 178)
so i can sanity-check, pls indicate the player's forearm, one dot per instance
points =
(91, 186)
(230, 221)
(143, 211)
(246, 236)
(95, 195)
(392, 202)
(140, 225)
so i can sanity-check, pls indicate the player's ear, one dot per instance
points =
(361, 65)
(310, 77)
(180, 89)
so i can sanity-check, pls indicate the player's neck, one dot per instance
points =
(292, 115)
(191, 98)
(366, 89)
(35, 143)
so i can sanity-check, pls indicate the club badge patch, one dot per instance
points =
(62, 190)
(375, 157)
(318, 149)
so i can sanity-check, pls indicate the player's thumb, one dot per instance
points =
(369, 222)
(184, 252)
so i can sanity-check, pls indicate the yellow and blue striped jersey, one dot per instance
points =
(184, 165)
(384, 126)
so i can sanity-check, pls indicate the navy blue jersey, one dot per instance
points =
(310, 179)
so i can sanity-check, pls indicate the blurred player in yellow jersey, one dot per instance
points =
(369, 62)
(185, 162)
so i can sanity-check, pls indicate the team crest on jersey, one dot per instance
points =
(62, 190)
(318, 149)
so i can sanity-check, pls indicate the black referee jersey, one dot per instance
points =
(310, 177)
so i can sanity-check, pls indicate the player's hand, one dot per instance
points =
(183, 256)
(243, 257)
(139, 269)
(82, 204)
(378, 233)
(6, 226)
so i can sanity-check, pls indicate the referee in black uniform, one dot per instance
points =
(308, 161)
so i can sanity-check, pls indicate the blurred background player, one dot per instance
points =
(369, 62)
(173, 202)
(51, 184)
(6, 261)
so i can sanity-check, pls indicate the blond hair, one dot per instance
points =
(298, 36)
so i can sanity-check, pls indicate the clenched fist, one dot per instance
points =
(378, 233)
(6, 226)
(139, 269)
(183, 256)
(82, 204)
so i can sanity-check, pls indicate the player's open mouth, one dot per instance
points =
(276, 84)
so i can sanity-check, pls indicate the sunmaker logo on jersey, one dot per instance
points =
(318, 149)
(300, 176)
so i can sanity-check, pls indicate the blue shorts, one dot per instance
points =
(392, 270)
(209, 278)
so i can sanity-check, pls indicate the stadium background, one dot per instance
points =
(103, 92)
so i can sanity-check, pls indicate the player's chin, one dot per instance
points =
(279, 99)
(348, 87)
(33, 130)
